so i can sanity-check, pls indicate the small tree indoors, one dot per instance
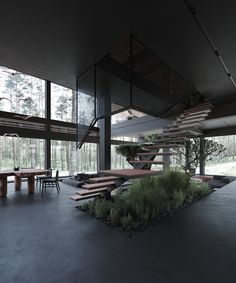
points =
(190, 155)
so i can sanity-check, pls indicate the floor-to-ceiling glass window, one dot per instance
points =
(225, 162)
(63, 103)
(68, 160)
(21, 152)
(21, 93)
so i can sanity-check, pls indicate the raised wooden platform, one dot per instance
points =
(130, 173)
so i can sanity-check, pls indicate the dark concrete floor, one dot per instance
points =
(47, 240)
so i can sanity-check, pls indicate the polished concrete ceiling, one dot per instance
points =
(59, 40)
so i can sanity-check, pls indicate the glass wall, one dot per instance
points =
(22, 152)
(68, 160)
(225, 162)
(85, 109)
(126, 115)
(21, 93)
(63, 103)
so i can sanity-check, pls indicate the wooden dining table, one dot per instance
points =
(19, 174)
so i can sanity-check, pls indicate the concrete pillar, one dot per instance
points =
(104, 148)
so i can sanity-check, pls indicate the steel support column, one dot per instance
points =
(104, 148)
(201, 161)
(48, 124)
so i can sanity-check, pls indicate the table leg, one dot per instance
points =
(31, 184)
(17, 182)
(3, 186)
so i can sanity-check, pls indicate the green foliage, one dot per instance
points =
(92, 207)
(173, 180)
(199, 190)
(178, 199)
(192, 154)
(102, 208)
(129, 151)
(115, 215)
(147, 199)
(84, 206)
(127, 222)
(152, 137)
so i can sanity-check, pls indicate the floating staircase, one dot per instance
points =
(98, 186)
(185, 126)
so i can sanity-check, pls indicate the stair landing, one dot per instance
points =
(130, 173)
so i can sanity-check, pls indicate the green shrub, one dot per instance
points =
(173, 180)
(91, 209)
(84, 206)
(127, 222)
(145, 199)
(102, 208)
(129, 151)
(115, 215)
(178, 198)
(200, 190)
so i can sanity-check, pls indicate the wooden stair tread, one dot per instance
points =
(185, 130)
(102, 179)
(170, 139)
(78, 197)
(147, 162)
(89, 192)
(199, 107)
(97, 185)
(156, 153)
(162, 146)
(190, 117)
(200, 111)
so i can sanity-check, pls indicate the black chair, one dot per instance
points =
(52, 182)
(40, 178)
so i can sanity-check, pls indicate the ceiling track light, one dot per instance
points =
(193, 11)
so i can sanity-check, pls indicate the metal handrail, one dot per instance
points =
(93, 122)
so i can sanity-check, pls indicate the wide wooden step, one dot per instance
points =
(199, 108)
(192, 116)
(89, 192)
(156, 153)
(190, 119)
(78, 197)
(163, 146)
(200, 111)
(102, 179)
(190, 129)
(177, 134)
(173, 140)
(147, 162)
(98, 185)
